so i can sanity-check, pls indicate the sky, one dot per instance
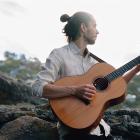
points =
(33, 27)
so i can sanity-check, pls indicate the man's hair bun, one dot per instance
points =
(64, 18)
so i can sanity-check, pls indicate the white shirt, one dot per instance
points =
(66, 61)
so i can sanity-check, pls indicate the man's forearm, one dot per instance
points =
(130, 74)
(52, 91)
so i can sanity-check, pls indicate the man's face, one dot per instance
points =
(91, 32)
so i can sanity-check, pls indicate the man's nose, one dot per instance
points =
(97, 32)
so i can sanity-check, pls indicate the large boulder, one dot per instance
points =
(28, 128)
(12, 90)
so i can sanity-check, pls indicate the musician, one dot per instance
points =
(69, 60)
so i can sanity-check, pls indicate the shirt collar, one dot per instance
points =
(75, 49)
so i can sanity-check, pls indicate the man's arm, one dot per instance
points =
(86, 91)
(131, 74)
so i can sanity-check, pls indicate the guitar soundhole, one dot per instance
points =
(101, 83)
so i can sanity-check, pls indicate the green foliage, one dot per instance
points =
(9, 64)
(9, 55)
(19, 66)
(133, 89)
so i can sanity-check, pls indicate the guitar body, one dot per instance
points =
(74, 113)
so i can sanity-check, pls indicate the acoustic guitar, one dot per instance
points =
(111, 87)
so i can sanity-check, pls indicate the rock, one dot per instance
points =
(125, 123)
(12, 90)
(29, 128)
(11, 112)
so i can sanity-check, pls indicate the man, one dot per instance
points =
(69, 60)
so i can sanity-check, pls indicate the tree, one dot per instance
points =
(9, 55)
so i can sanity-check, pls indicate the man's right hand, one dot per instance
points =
(86, 91)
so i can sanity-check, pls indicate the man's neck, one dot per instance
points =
(81, 45)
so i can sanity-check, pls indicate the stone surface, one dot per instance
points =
(29, 128)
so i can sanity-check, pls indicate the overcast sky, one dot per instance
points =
(33, 27)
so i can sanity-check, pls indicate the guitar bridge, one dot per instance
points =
(86, 101)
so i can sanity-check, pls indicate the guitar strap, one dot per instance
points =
(97, 58)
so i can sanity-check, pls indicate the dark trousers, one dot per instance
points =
(86, 137)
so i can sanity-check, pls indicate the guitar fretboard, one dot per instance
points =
(120, 71)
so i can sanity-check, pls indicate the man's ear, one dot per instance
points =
(83, 27)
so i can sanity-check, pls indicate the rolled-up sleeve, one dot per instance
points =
(49, 74)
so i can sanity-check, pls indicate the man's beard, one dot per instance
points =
(89, 41)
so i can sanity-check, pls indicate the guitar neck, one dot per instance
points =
(120, 71)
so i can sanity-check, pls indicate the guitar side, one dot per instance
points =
(75, 113)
